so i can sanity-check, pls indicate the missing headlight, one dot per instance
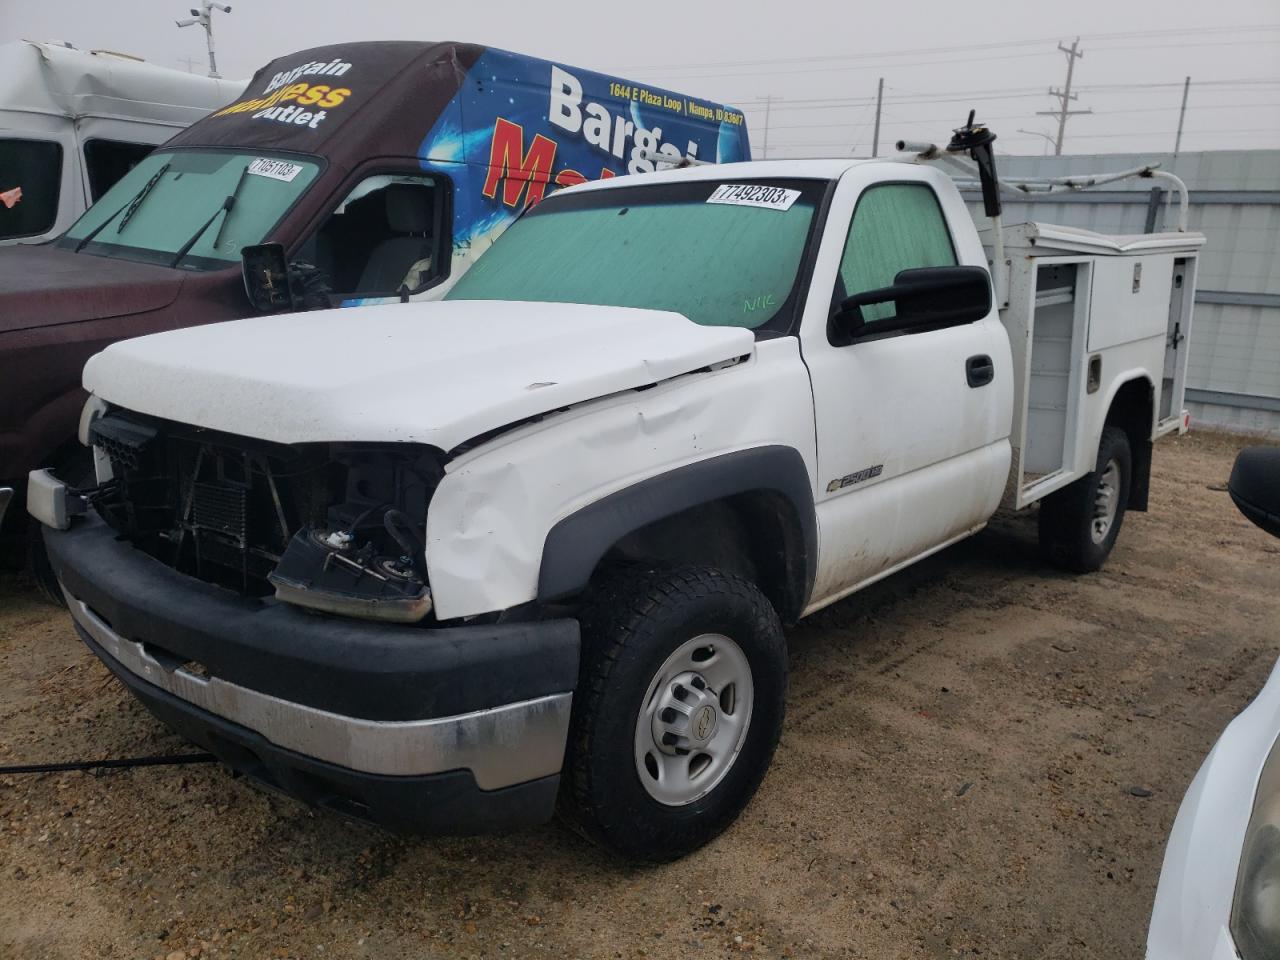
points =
(368, 558)
(332, 571)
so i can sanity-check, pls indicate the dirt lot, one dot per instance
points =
(954, 780)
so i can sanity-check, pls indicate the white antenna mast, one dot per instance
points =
(204, 17)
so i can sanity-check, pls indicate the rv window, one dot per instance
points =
(30, 174)
(382, 237)
(106, 161)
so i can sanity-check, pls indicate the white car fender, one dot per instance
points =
(1192, 910)
(489, 518)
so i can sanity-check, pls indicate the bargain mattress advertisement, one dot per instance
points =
(507, 129)
(520, 128)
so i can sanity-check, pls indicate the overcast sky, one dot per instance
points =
(937, 57)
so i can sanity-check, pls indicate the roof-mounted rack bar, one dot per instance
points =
(929, 152)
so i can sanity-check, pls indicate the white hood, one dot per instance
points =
(437, 373)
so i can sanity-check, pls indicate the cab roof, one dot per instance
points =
(818, 169)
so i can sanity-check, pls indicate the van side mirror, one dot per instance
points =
(266, 277)
(923, 297)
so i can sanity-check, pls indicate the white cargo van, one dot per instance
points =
(73, 122)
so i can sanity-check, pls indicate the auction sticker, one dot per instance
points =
(275, 169)
(754, 195)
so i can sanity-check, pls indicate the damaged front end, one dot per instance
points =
(337, 528)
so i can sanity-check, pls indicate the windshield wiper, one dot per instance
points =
(136, 202)
(226, 208)
(131, 205)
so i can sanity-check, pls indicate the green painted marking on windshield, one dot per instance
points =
(764, 301)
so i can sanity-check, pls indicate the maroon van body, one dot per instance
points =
(58, 307)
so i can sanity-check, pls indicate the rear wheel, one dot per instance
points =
(678, 710)
(1079, 523)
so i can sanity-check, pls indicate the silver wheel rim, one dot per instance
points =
(693, 719)
(1106, 502)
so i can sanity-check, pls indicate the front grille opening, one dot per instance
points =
(221, 508)
(224, 509)
(215, 507)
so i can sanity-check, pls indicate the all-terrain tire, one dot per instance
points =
(636, 621)
(1079, 523)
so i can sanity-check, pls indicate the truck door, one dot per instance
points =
(912, 426)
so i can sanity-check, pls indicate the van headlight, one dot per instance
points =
(1255, 913)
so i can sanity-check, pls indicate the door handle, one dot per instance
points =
(979, 370)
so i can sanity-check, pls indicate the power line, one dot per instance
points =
(1084, 136)
(1013, 116)
(1242, 82)
(968, 47)
(963, 56)
(997, 93)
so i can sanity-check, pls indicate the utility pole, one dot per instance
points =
(875, 138)
(1182, 115)
(204, 18)
(1065, 96)
(764, 151)
(189, 62)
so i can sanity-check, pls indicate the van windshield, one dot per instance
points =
(175, 207)
(720, 253)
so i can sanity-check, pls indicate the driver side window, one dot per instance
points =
(896, 226)
(388, 234)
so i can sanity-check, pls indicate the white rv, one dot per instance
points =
(72, 122)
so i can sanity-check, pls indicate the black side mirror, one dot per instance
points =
(924, 297)
(266, 277)
(1255, 486)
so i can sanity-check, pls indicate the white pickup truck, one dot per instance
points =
(441, 565)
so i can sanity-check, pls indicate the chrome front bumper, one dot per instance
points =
(501, 747)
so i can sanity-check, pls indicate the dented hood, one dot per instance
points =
(436, 373)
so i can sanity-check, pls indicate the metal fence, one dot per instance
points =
(1233, 378)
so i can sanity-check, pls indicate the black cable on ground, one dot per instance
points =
(110, 764)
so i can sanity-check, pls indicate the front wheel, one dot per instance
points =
(678, 710)
(1079, 523)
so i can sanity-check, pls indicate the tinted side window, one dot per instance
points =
(30, 174)
(106, 161)
(896, 226)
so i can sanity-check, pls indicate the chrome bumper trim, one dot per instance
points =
(502, 746)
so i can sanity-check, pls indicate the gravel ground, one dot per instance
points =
(954, 780)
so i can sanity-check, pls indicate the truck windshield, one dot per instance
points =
(156, 209)
(722, 253)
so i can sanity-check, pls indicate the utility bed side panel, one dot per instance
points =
(1087, 314)
(1130, 299)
